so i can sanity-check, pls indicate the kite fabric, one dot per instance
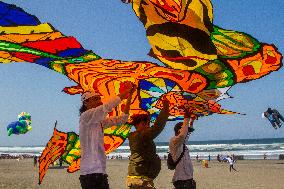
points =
(22, 126)
(239, 58)
(182, 36)
(67, 146)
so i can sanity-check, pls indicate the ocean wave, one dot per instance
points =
(249, 150)
(21, 149)
(219, 147)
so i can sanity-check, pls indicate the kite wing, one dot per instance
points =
(23, 38)
(174, 29)
(67, 146)
(53, 150)
(182, 36)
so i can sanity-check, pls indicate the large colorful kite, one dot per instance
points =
(202, 61)
(239, 58)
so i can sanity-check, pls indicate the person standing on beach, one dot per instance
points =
(35, 161)
(197, 158)
(218, 158)
(264, 156)
(60, 161)
(231, 162)
(145, 165)
(183, 176)
(93, 120)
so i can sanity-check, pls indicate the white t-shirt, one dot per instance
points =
(92, 123)
(231, 162)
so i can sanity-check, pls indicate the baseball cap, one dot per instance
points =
(88, 94)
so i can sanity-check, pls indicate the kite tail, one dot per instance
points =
(23, 38)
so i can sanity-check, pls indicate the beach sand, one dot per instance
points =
(253, 174)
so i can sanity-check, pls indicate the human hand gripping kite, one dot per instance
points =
(200, 66)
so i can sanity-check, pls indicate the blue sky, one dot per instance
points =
(112, 30)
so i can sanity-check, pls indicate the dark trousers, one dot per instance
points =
(185, 184)
(232, 167)
(94, 181)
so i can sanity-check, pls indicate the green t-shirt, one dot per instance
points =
(143, 159)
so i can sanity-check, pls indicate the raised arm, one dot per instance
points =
(99, 113)
(159, 125)
(128, 102)
(120, 119)
(187, 122)
(128, 90)
(116, 120)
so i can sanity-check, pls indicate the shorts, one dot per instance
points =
(185, 184)
(139, 183)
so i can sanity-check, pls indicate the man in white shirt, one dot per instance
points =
(93, 120)
(231, 162)
(183, 176)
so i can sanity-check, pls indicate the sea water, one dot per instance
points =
(248, 148)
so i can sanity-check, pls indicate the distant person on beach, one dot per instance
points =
(218, 158)
(60, 161)
(145, 165)
(183, 176)
(93, 120)
(264, 156)
(35, 161)
(197, 158)
(231, 162)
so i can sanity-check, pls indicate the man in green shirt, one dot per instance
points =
(145, 164)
